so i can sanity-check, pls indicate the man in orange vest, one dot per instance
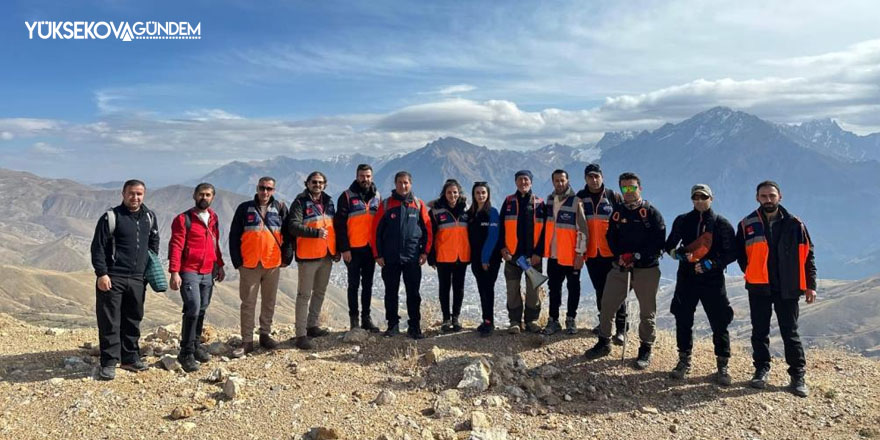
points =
(353, 221)
(599, 203)
(257, 249)
(776, 255)
(564, 242)
(311, 222)
(522, 215)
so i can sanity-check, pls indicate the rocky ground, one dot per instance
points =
(460, 386)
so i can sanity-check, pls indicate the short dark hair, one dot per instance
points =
(559, 171)
(203, 186)
(364, 167)
(403, 174)
(266, 179)
(133, 182)
(629, 176)
(768, 183)
(313, 174)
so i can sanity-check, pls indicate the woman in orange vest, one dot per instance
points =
(451, 251)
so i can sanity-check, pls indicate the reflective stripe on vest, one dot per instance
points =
(564, 227)
(510, 220)
(451, 243)
(257, 244)
(758, 251)
(360, 219)
(310, 248)
(597, 222)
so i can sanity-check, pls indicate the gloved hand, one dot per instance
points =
(704, 266)
(678, 254)
(626, 260)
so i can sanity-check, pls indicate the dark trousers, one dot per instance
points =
(119, 312)
(556, 274)
(451, 276)
(486, 286)
(360, 273)
(718, 310)
(598, 269)
(761, 306)
(412, 278)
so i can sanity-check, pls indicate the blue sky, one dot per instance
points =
(312, 79)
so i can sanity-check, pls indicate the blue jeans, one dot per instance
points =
(195, 292)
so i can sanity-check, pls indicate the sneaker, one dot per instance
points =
(682, 368)
(304, 343)
(618, 338)
(136, 366)
(367, 324)
(533, 327)
(601, 349)
(188, 363)
(202, 354)
(446, 327)
(246, 348)
(552, 327)
(107, 373)
(267, 342)
(456, 324)
(643, 360)
(798, 386)
(485, 329)
(515, 328)
(393, 330)
(722, 376)
(317, 332)
(570, 326)
(759, 380)
(415, 333)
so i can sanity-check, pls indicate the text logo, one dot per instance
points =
(123, 30)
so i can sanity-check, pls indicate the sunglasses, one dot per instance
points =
(699, 197)
(266, 188)
(629, 188)
(316, 182)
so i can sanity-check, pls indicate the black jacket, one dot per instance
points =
(637, 231)
(340, 220)
(483, 235)
(237, 228)
(685, 230)
(403, 229)
(133, 236)
(783, 264)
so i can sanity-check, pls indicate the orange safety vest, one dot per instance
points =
(758, 251)
(360, 219)
(564, 226)
(257, 244)
(509, 214)
(451, 243)
(310, 248)
(597, 222)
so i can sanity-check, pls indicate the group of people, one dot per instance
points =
(619, 237)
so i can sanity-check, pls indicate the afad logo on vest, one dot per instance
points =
(123, 30)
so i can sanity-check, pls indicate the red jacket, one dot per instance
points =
(196, 249)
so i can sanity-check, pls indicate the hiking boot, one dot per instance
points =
(317, 332)
(596, 329)
(515, 328)
(722, 376)
(393, 330)
(135, 367)
(107, 373)
(415, 333)
(618, 338)
(570, 326)
(682, 368)
(552, 327)
(367, 324)
(533, 327)
(304, 343)
(353, 322)
(798, 386)
(267, 342)
(643, 360)
(201, 354)
(485, 329)
(759, 380)
(456, 324)
(246, 348)
(446, 327)
(601, 349)
(188, 363)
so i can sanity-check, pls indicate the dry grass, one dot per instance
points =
(406, 361)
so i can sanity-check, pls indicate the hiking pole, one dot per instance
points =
(626, 321)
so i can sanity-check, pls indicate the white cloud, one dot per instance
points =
(6, 136)
(47, 149)
(455, 89)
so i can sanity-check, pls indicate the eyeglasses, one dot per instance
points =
(628, 188)
(481, 183)
(699, 197)
(266, 188)
(316, 182)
